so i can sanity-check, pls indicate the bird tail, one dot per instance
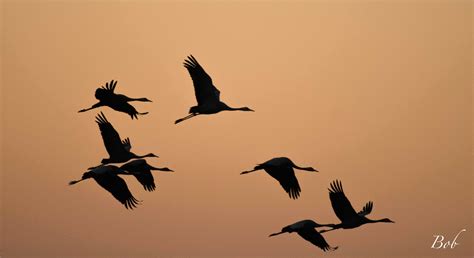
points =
(73, 182)
(135, 115)
(258, 167)
(275, 234)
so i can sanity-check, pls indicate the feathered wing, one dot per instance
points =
(110, 86)
(126, 144)
(118, 188)
(315, 238)
(110, 136)
(367, 209)
(141, 171)
(340, 204)
(287, 179)
(204, 90)
(106, 93)
(146, 179)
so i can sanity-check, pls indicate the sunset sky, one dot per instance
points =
(377, 94)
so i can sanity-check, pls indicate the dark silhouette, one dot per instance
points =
(142, 172)
(207, 95)
(119, 151)
(282, 170)
(107, 177)
(345, 212)
(306, 229)
(118, 102)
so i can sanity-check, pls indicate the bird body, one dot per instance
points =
(207, 95)
(118, 150)
(302, 224)
(118, 102)
(306, 229)
(107, 177)
(142, 172)
(281, 169)
(345, 212)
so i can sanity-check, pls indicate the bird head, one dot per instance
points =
(386, 220)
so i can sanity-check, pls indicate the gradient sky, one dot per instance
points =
(376, 94)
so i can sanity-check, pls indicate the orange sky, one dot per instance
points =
(376, 94)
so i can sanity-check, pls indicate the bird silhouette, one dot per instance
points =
(118, 102)
(119, 151)
(107, 177)
(345, 212)
(142, 172)
(306, 229)
(282, 170)
(207, 95)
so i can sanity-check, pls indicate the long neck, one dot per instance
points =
(237, 109)
(138, 99)
(225, 107)
(375, 221)
(160, 169)
(303, 168)
(145, 156)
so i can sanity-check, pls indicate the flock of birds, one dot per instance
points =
(208, 102)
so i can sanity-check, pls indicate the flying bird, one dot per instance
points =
(345, 212)
(282, 170)
(142, 172)
(107, 177)
(207, 95)
(306, 230)
(118, 102)
(119, 150)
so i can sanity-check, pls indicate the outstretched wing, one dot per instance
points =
(367, 209)
(118, 188)
(106, 92)
(126, 144)
(315, 238)
(141, 171)
(110, 86)
(340, 204)
(110, 136)
(146, 179)
(204, 90)
(287, 179)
